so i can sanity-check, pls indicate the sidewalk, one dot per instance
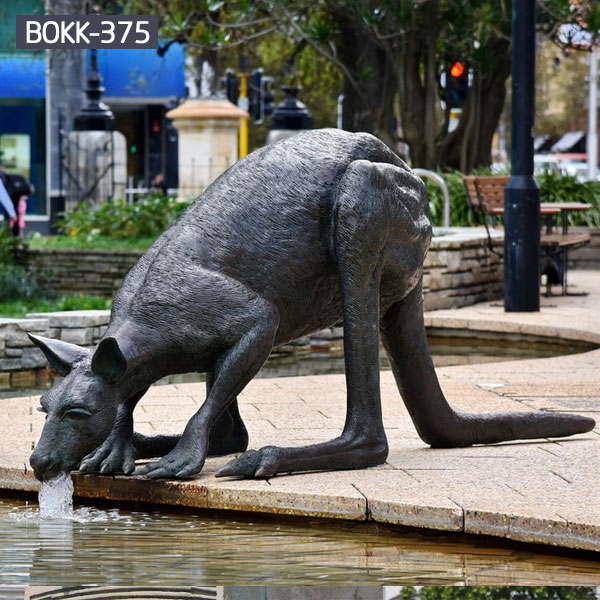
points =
(542, 491)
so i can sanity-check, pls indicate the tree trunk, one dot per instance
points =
(418, 87)
(469, 145)
(369, 91)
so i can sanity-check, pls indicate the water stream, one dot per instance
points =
(56, 498)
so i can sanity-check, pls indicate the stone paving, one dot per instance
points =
(543, 491)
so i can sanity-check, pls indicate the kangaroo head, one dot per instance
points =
(81, 408)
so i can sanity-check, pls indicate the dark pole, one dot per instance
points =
(60, 154)
(522, 194)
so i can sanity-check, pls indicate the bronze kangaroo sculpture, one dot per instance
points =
(324, 227)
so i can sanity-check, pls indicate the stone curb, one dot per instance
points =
(237, 496)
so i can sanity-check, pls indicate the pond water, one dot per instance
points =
(323, 356)
(317, 356)
(130, 547)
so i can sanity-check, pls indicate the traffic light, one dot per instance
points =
(254, 96)
(268, 96)
(457, 85)
(231, 84)
(261, 97)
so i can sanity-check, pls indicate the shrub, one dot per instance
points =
(460, 214)
(17, 283)
(10, 246)
(148, 217)
(566, 188)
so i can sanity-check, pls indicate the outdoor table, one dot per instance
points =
(487, 193)
(559, 241)
(545, 209)
(565, 208)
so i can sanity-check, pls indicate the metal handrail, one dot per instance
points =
(439, 181)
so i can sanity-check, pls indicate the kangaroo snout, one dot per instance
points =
(44, 465)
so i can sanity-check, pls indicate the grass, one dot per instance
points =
(86, 242)
(20, 308)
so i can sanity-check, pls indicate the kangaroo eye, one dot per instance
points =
(78, 413)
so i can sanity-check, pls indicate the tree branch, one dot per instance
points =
(329, 56)
(211, 21)
(236, 43)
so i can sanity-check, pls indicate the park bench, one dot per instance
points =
(485, 195)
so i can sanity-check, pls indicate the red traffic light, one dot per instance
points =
(457, 69)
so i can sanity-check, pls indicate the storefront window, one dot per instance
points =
(15, 153)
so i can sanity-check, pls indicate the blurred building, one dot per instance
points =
(41, 92)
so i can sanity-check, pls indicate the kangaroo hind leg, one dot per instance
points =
(360, 233)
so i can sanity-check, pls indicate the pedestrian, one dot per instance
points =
(8, 210)
(159, 184)
(18, 188)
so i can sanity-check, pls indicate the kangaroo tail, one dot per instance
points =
(468, 428)
(403, 333)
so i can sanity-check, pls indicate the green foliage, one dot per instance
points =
(321, 27)
(553, 188)
(17, 283)
(487, 592)
(10, 246)
(460, 214)
(566, 188)
(148, 217)
(20, 308)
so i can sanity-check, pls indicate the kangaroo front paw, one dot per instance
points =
(113, 456)
(177, 464)
(253, 463)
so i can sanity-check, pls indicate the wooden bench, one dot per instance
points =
(485, 195)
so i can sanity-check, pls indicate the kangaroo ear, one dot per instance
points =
(60, 355)
(108, 360)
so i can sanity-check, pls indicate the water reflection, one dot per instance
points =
(128, 547)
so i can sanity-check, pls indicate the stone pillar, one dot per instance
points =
(208, 141)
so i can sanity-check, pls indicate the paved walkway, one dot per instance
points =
(543, 491)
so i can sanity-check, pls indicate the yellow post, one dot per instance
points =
(243, 104)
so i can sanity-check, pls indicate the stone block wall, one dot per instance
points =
(587, 257)
(460, 269)
(22, 364)
(75, 271)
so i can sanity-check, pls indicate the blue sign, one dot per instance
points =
(126, 73)
(135, 73)
(23, 76)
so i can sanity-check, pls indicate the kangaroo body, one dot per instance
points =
(323, 228)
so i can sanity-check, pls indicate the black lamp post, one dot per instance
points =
(290, 117)
(96, 116)
(522, 194)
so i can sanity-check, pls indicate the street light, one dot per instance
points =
(522, 194)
